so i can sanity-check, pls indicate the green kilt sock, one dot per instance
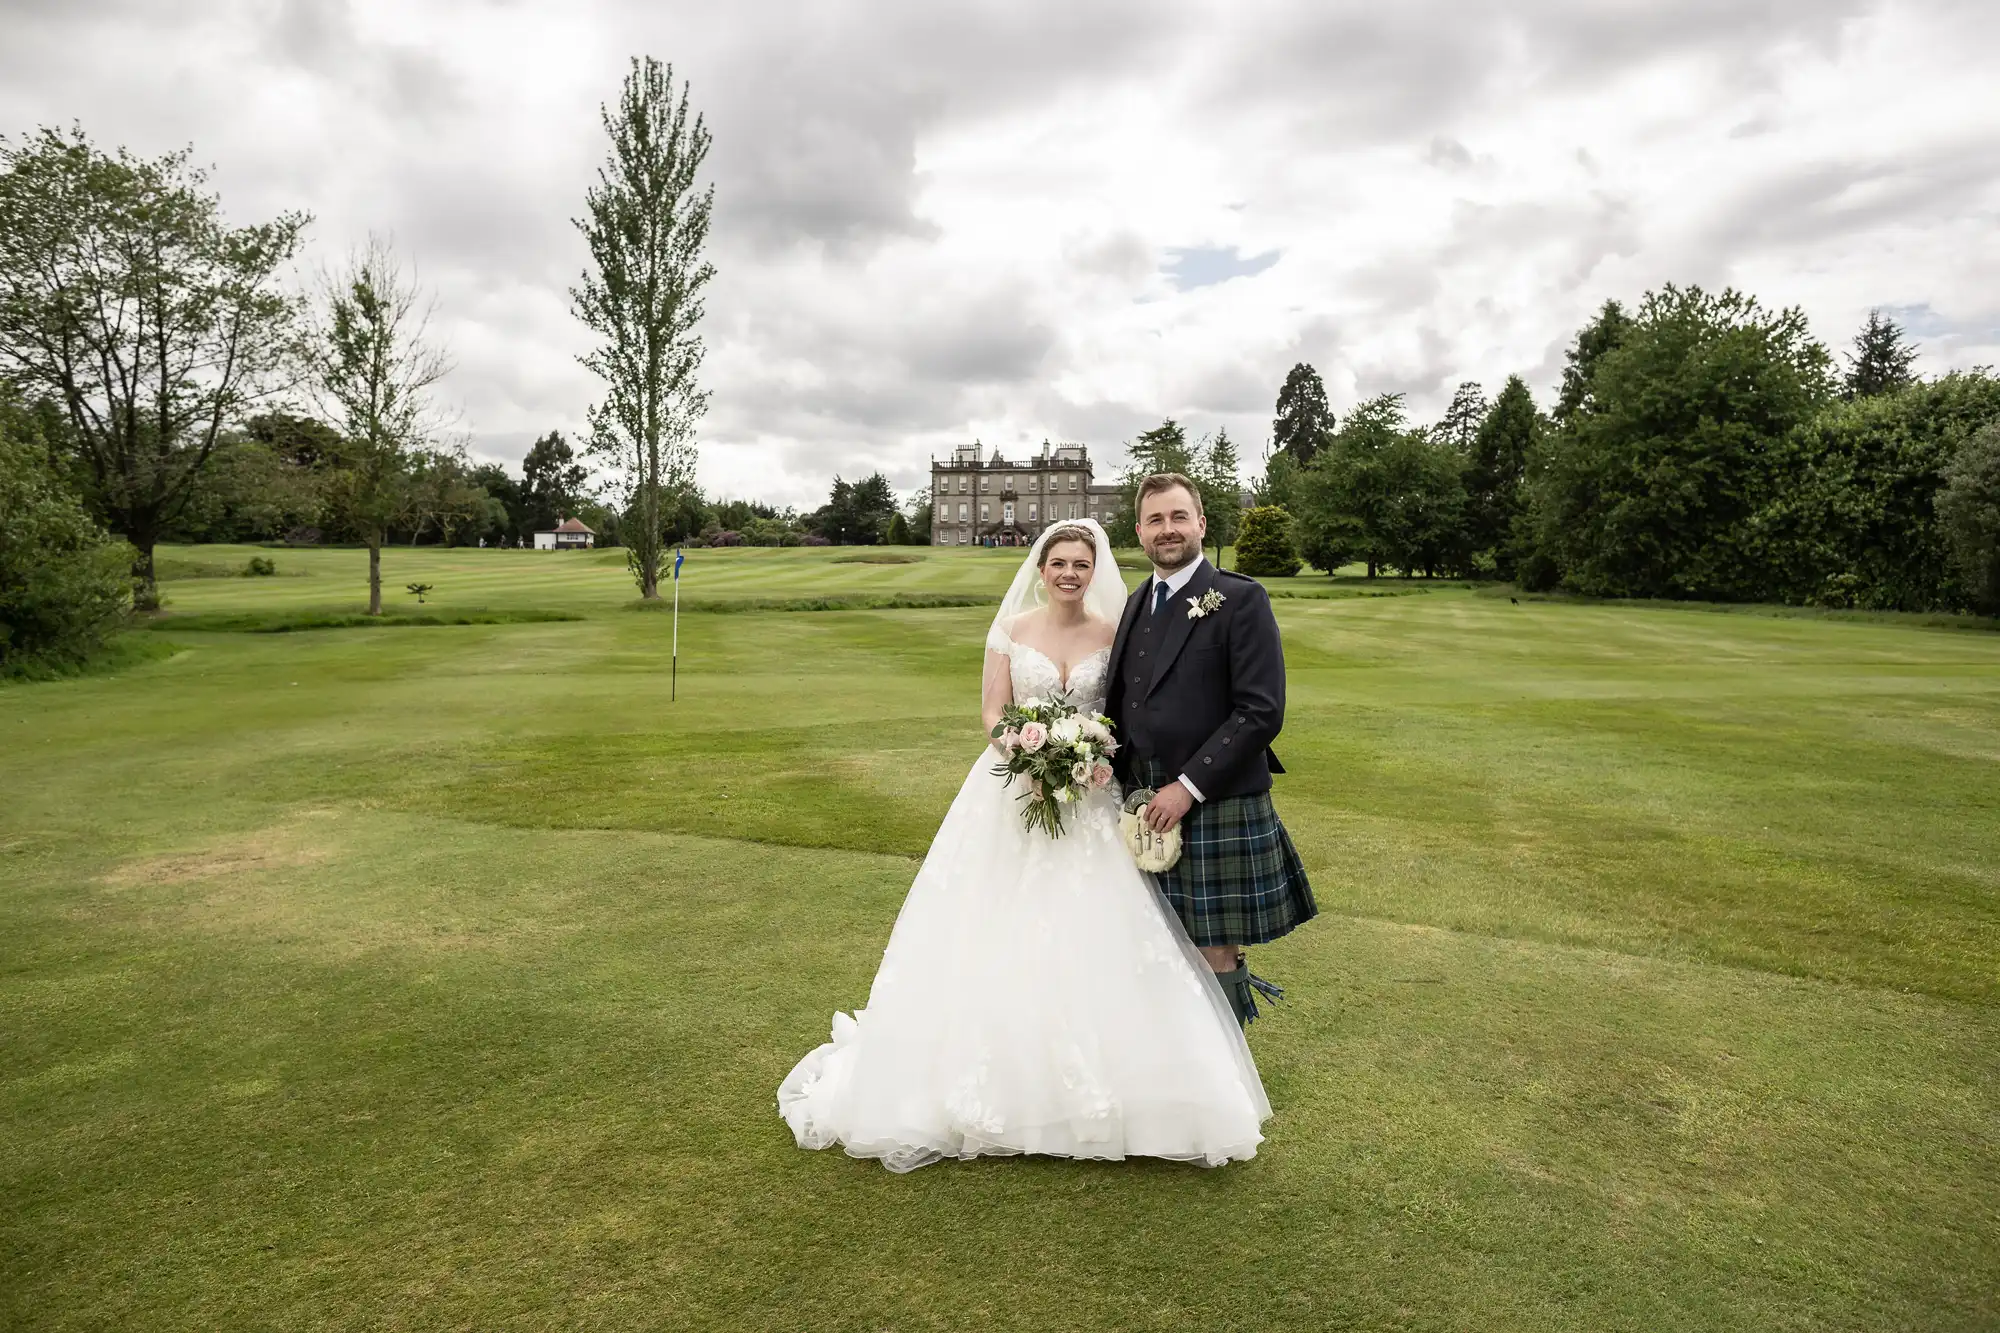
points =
(1242, 987)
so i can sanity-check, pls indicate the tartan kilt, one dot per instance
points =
(1239, 879)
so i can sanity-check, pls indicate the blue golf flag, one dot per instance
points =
(679, 555)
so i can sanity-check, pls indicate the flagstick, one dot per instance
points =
(674, 678)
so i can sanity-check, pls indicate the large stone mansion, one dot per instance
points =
(994, 502)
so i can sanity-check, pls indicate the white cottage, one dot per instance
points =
(569, 535)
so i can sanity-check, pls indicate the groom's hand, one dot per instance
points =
(1169, 803)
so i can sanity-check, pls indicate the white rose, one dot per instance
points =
(1066, 731)
(1080, 771)
(1095, 730)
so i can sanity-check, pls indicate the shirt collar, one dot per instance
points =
(1181, 577)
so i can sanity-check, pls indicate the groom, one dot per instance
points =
(1198, 694)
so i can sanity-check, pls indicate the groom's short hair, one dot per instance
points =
(1166, 481)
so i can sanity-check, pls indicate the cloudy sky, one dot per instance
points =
(1067, 219)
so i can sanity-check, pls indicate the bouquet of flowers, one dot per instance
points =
(1062, 752)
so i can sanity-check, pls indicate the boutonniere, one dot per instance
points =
(1202, 605)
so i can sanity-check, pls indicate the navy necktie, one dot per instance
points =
(1160, 592)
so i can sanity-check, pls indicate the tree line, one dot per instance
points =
(1701, 446)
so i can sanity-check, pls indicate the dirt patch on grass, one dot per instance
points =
(275, 848)
(313, 881)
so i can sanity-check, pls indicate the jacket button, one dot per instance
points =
(1208, 759)
(1135, 703)
(1142, 652)
(1135, 680)
(1225, 740)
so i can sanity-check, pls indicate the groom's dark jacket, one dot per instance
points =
(1203, 695)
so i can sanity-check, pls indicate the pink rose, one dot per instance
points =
(1010, 740)
(1111, 747)
(1100, 776)
(1034, 736)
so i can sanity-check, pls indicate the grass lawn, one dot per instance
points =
(443, 978)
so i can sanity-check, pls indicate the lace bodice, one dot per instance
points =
(1035, 676)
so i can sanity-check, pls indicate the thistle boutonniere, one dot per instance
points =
(1202, 605)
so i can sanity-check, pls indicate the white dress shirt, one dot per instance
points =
(1175, 581)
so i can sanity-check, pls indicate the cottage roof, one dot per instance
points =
(573, 525)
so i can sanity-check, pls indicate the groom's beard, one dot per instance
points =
(1168, 557)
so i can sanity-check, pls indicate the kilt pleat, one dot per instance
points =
(1239, 879)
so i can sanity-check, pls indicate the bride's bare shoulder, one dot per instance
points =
(1028, 622)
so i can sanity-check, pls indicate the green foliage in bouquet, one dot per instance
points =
(1062, 751)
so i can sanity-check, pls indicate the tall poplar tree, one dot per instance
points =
(646, 221)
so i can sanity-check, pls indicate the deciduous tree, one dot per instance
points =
(126, 299)
(1969, 513)
(374, 369)
(1648, 490)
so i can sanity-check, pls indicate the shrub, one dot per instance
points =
(814, 539)
(1969, 512)
(64, 585)
(1264, 546)
(260, 567)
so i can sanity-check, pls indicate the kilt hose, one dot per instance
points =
(1239, 879)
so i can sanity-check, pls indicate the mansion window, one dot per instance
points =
(964, 483)
(961, 513)
(1007, 512)
(1072, 483)
(986, 483)
(1033, 516)
(985, 512)
(1034, 483)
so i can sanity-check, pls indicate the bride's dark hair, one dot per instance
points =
(1068, 532)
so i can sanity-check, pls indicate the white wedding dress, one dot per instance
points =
(1037, 996)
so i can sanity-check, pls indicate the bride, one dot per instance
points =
(1037, 994)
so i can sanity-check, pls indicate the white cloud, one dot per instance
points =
(938, 221)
